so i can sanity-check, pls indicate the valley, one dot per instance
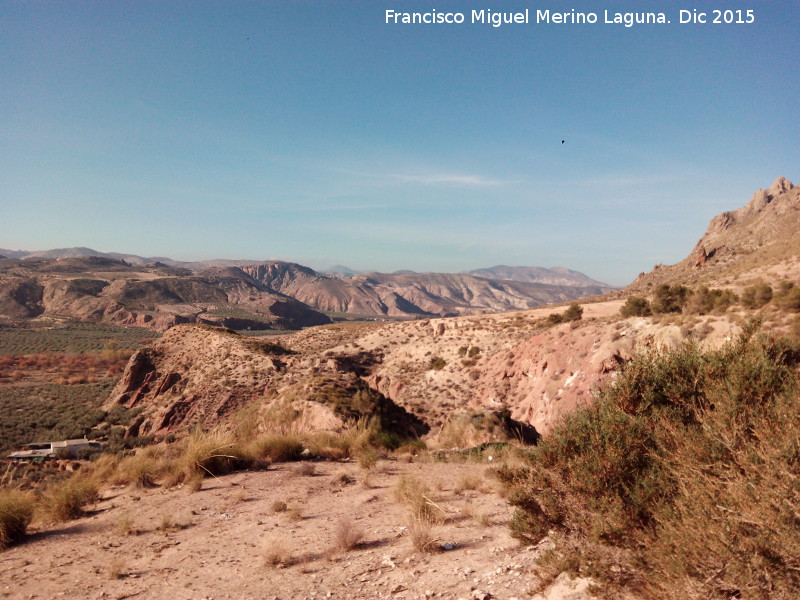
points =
(461, 383)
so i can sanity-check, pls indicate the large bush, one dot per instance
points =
(683, 477)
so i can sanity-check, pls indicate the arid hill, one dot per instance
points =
(445, 373)
(157, 296)
(758, 240)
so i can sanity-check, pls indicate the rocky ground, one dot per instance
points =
(216, 543)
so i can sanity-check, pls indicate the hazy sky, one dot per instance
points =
(314, 131)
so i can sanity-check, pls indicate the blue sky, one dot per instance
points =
(313, 131)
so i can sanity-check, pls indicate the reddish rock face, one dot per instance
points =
(702, 257)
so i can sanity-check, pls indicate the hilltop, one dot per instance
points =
(758, 240)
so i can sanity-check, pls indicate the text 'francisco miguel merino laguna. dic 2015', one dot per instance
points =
(498, 18)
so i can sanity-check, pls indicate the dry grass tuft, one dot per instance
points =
(466, 482)
(422, 536)
(415, 495)
(295, 513)
(166, 523)
(116, 568)
(367, 457)
(125, 525)
(342, 478)
(276, 552)
(275, 447)
(347, 535)
(211, 453)
(423, 513)
(16, 511)
(140, 470)
(66, 500)
(306, 469)
(195, 482)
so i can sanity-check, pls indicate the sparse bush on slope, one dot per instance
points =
(682, 479)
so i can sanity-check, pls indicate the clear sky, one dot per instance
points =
(313, 131)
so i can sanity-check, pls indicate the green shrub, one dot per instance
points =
(679, 475)
(573, 313)
(788, 296)
(669, 298)
(437, 363)
(756, 296)
(635, 307)
(553, 319)
(704, 301)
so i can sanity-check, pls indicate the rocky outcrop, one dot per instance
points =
(191, 375)
(201, 376)
(760, 234)
(20, 298)
(701, 257)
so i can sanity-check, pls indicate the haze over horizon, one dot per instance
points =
(315, 132)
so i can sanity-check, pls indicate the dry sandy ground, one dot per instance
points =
(214, 546)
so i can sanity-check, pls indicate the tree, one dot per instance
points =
(669, 299)
(573, 313)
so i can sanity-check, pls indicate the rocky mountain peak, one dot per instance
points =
(780, 186)
(763, 232)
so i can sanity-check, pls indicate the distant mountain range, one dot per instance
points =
(553, 275)
(159, 292)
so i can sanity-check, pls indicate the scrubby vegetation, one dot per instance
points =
(574, 312)
(677, 298)
(437, 363)
(53, 380)
(50, 411)
(681, 480)
(635, 306)
(73, 338)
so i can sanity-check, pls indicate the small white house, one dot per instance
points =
(63, 449)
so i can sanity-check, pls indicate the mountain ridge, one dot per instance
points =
(564, 275)
(740, 244)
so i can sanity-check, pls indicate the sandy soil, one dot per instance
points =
(210, 544)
